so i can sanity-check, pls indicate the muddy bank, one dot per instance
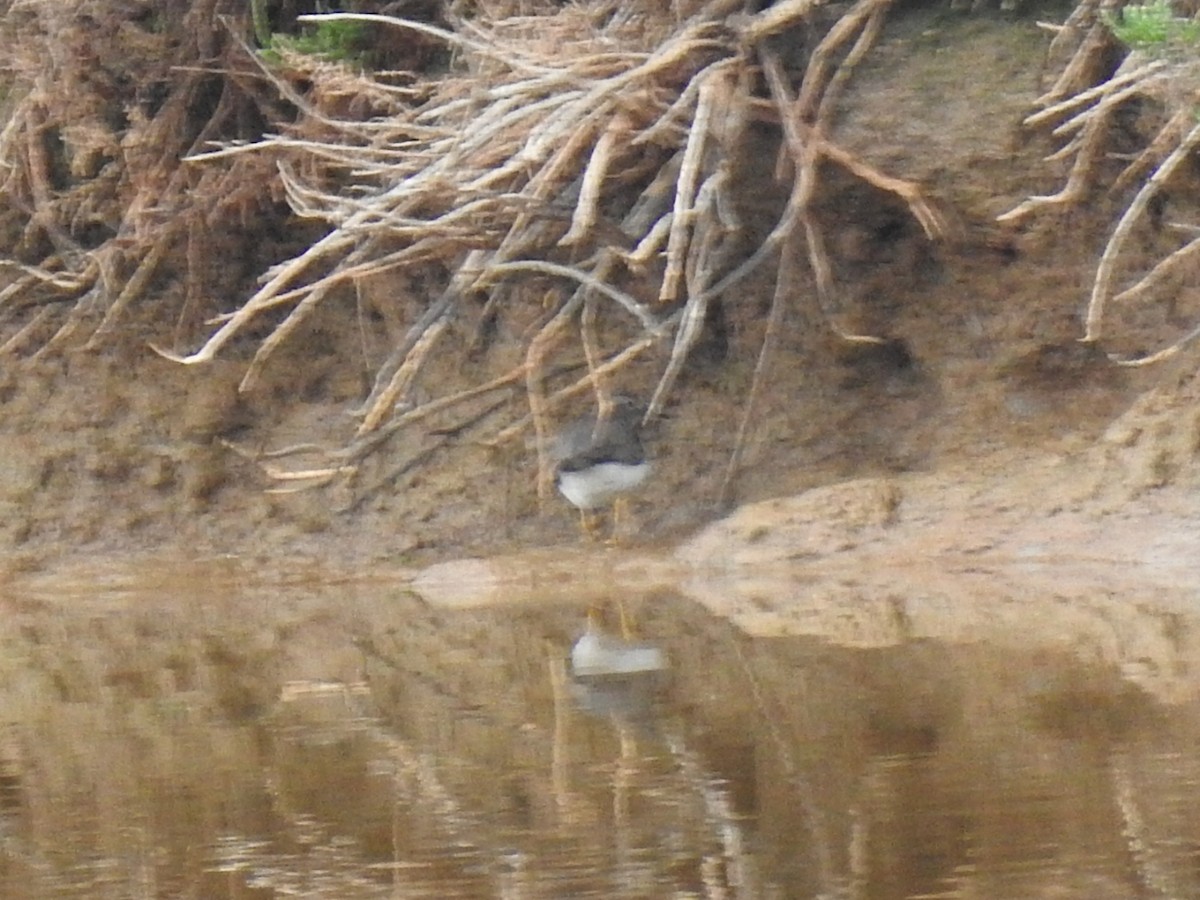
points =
(981, 389)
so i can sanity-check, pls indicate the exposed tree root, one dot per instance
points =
(1086, 115)
(572, 159)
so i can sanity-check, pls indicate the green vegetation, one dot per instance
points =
(1154, 27)
(337, 41)
(334, 41)
(262, 23)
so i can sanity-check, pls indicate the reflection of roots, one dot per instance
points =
(1086, 116)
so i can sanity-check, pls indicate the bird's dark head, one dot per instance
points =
(626, 409)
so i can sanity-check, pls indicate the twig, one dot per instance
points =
(261, 301)
(685, 190)
(136, 284)
(1168, 136)
(777, 18)
(1159, 356)
(586, 208)
(784, 285)
(587, 279)
(488, 49)
(1162, 270)
(535, 367)
(13, 343)
(362, 447)
(806, 147)
(816, 78)
(67, 281)
(866, 40)
(1084, 97)
(405, 376)
(1090, 144)
(1108, 261)
(1094, 42)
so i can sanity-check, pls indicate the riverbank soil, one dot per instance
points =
(980, 387)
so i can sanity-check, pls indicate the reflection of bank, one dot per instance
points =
(933, 742)
(878, 728)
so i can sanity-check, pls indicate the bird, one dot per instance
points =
(600, 459)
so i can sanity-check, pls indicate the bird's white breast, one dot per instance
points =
(598, 485)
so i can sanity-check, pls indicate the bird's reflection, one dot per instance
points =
(611, 676)
(616, 677)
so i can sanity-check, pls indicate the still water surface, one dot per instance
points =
(196, 732)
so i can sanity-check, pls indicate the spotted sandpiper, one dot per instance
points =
(601, 458)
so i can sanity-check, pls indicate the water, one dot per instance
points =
(206, 731)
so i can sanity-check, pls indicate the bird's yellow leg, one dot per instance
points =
(627, 631)
(588, 524)
(620, 513)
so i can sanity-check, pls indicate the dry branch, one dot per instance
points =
(1101, 287)
(1165, 82)
(584, 159)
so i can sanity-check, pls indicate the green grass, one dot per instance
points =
(1155, 28)
(343, 41)
(335, 41)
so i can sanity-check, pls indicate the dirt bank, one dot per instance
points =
(982, 402)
